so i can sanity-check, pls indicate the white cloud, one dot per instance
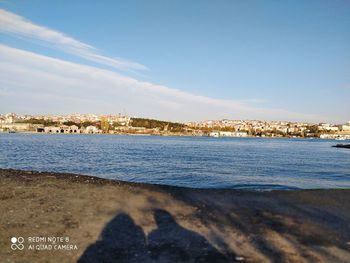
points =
(35, 83)
(13, 24)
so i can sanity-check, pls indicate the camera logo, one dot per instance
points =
(17, 243)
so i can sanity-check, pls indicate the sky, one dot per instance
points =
(177, 60)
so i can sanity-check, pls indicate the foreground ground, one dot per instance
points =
(109, 221)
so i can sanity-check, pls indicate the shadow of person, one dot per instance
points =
(170, 242)
(121, 241)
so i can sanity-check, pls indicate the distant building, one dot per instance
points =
(327, 127)
(335, 136)
(52, 129)
(346, 127)
(214, 134)
(74, 129)
(61, 129)
(20, 127)
(92, 129)
(228, 134)
(240, 134)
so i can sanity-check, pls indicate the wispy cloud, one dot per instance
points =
(40, 84)
(16, 25)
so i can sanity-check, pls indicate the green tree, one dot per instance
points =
(104, 125)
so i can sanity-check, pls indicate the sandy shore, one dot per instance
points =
(111, 221)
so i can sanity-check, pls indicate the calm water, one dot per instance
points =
(255, 163)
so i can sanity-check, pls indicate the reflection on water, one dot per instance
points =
(257, 163)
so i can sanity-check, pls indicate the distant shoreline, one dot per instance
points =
(172, 135)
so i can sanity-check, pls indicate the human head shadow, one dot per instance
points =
(121, 240)
(171, 242)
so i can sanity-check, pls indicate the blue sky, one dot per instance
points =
(183, 60)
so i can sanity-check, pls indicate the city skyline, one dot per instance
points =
(123, 124)
(257, 61)
(17, 117)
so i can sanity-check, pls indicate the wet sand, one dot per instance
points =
(112, 221)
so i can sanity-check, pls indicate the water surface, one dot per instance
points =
(253, 163)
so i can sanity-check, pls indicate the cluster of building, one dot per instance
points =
(123, 120)
(241, 128)
(253, 125)
(40, 128)
(335, 128)
(22, 123)
(228, 134)
(68, 129)
(87, 123)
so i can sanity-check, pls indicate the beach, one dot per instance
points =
(113, 221)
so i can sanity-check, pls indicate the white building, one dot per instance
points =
(62, 129)
(241, 134)
(92, 129)
(346, 127)
(327, 127)
(52, 129)
(228, 134)
(18, 126)
(214, 134)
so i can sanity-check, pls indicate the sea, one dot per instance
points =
(197, 162)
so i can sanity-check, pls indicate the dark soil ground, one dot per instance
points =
(111, 221)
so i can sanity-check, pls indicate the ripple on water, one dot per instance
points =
(242, 163)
